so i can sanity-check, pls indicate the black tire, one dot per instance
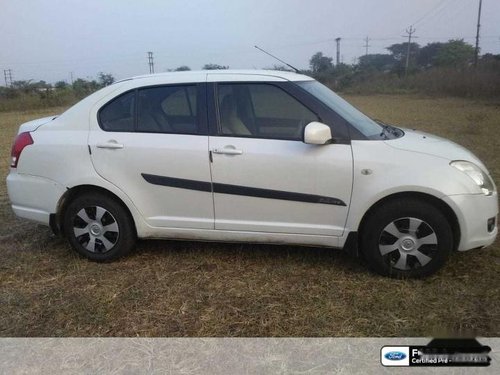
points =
(406, 261)
(116, 237)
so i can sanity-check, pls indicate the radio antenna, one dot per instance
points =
(267, 53)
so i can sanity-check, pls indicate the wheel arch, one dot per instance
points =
(78, 190)
(431, 199)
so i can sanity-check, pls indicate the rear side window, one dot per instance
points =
(168, 109)
(118, 115)
(171, 109)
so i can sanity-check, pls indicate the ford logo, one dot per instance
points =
(395, 356)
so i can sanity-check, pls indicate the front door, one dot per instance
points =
(265, 179)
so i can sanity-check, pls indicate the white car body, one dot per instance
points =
(67, 153)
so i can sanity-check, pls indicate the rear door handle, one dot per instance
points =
(112, 144)
(227, 151)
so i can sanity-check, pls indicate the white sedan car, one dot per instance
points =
(250, 156)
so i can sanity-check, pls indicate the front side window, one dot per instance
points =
(118, 115)
(261, 111)
(167, 109)
(359, 120)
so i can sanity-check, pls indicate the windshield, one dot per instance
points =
(359, 120)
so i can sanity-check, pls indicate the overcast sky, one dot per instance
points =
(48, 39)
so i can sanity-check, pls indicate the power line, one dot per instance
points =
(434, 11)
(451, 14)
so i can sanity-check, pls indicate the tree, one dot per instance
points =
(214, 67)
(378, 61)
(281, 68)
(182, 68)
(23, 86)
(105, 79)
(83, 87)
(455, 53)
(491, 62)
(320, 63)
(60, 85)
(399, 51)
(490, 57)
(427, 55)
(41, 85)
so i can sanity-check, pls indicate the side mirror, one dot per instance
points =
(316, 133)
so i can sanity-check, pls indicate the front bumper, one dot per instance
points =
(473, 212)
(32, 197)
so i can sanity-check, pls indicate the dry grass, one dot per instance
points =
(169, 288)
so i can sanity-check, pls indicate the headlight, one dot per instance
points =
(482, 180)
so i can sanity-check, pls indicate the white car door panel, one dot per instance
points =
(281, 186)
(154, 168)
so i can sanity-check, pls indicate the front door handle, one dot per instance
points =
(227, 151)
(111, 144)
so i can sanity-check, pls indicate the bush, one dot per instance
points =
(483, 81)
(51, 98)
(24, 95)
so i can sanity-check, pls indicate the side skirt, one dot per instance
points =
(239, 236)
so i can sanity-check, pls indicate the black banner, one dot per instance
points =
(438, 352)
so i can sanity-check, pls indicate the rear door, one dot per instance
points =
(152, 143)
(265, 178)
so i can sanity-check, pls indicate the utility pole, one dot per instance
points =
(151, 63)
(366, 45)
(476, 52)
(71, 77)
(7, 74)
(338, 50)
(410, 32)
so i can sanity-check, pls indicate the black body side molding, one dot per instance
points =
(240, 190)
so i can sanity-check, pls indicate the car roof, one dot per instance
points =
(201, 75)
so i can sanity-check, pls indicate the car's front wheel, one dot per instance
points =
(98, 227)
(406, 238)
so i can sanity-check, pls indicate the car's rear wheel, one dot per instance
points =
(406, 238)
(98, 227)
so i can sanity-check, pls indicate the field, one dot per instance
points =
(174, 288)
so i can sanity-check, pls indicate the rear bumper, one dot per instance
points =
(32, 197)
(473, 212)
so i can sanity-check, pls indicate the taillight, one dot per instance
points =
(22, 140)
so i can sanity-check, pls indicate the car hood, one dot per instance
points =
(35, 124)
(425, 143)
